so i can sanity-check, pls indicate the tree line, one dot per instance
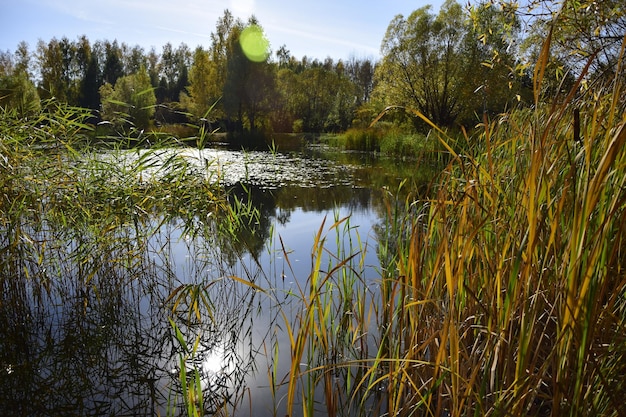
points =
(452, 66)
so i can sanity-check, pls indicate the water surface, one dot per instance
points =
(86, 325)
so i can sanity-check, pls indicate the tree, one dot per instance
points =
(249, 85)
(341, 111)
(580, 31)
(153, 67)
(453, 66)
(132, 97)
(17, 91)
(113, 66)
(314, 96)
(421, 57)
(201, 93)
(54, 70)
(90, 84)
(89, 77)
(361, 74)
(284, 56)
(284, 112)
(174, 71)
(133, 58)
(218, 54)
(494, 79)
(23, 59)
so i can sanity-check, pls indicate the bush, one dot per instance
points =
(405, 144)
(359, 139)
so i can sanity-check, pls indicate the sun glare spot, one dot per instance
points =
(254, 43)
(213, 362)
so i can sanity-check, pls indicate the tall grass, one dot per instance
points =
(503, 293)
(506, 295)
(388, 140)
(83, 216)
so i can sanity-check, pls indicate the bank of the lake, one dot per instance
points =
(186, 281)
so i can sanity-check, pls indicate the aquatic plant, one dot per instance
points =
(506, 295)
(82, 218)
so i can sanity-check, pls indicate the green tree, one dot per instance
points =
(17, 91)
(318, 98)
(218, 54)
(494, 79)
(23, 59)
(361, 74)
(133, 58)
(285, 110)
(249, 85)
(174, 66)
(453, 66)
(113, 65)
(345, 99)
(153, 67)
(88, 76)
(131, 100)
(55, 74)
(314, 95)
(201, 92)
(90, 84)
(421, 57)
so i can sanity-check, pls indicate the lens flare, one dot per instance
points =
(254, 43)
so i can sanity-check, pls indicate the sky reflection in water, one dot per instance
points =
(95, 338)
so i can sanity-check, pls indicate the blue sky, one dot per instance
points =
(315, 28)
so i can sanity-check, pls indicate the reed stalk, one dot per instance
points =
(503, 291)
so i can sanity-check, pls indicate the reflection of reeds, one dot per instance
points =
(84, 233)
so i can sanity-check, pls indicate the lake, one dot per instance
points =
(115, 328)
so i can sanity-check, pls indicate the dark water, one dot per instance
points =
(87, 325)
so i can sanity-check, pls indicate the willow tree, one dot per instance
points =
(421, 62)
(494, 78)
(581, 33)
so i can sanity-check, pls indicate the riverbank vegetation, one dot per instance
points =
(502, 288)
(505, 291)
(452, 66)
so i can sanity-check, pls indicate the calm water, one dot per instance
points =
(95, 338)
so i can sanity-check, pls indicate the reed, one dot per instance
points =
(325, 336)
(504, 290)
(68, 197)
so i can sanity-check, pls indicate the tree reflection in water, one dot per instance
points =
(84, 328)
(85, 307)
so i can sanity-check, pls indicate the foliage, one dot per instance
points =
(452, 65)
(19, 93)
(248, 87)
(265, 96)
(131, 100)
(580, 31)
(200, 97)
(323, 95)
(420, 68)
